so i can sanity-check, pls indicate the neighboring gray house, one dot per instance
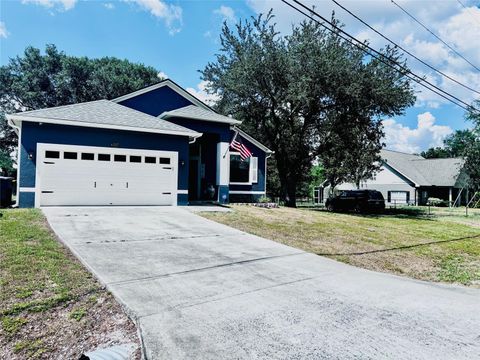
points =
(407, 178)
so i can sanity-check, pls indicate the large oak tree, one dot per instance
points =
(307, 95)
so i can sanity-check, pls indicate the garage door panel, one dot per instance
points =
(94, 182)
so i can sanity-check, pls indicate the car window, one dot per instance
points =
(376, 195)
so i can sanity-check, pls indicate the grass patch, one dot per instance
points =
(11, 325)
(78, 314)
(376, 242)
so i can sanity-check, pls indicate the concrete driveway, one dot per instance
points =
(201, 290)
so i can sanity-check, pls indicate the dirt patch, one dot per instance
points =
(51, 307)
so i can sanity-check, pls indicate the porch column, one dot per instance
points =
(450, 197)
(223, 171)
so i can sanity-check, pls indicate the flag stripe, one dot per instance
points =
(242, 149)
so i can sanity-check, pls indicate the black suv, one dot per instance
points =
(357, 200)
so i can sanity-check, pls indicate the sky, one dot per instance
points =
(180, 37)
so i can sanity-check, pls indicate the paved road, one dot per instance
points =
(202, 290)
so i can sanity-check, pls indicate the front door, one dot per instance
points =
(193, 180)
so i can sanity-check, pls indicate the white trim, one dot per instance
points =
(40, 155)
(185, 192)
(192, 134)
(246, 192)
(27, 189)
(252, 140)
(223, 163)
(167, 82)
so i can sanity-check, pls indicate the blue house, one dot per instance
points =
(156, 146)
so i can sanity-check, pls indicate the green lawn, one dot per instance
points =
(390, 243)
(48, 300)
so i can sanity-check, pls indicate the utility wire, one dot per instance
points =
(468, 10)
(403, 49)
(435, 35)
(421, 81)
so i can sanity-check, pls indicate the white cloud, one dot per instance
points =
(201, 93)
(403, 138)
(109, 6)
(170, 14)
(226, 12)
(162, 75)
(66, 4)
(3, 30)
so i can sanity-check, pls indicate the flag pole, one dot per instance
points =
(233, 139)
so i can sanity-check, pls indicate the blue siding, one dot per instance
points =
(33, 133)
(157, 101)
(26, 199)
(182, 199)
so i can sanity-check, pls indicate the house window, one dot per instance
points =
(135, 158)
(52, 154)
(88, 156)
(239, 170)
(103, 157)
(120, 158)
(70, 155)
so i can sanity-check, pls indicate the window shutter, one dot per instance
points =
(389, 199)
(254, 169)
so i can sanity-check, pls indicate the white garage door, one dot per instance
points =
(83, 175)
(398, 197)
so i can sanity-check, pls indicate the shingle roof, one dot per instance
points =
(107, 113)
(425, 172)
(198, 113)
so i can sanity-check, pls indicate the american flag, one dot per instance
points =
(242, 149)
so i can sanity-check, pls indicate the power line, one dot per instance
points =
(435, 35)
(363, 47)
(405, 50)
(421, 81)
(468, 10)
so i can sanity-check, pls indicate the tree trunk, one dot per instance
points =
(288, 185)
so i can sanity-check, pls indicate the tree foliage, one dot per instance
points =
(454, 145)
(472, 152)
(307, 95)
(35, 80)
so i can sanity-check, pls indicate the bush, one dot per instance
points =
(436, 202)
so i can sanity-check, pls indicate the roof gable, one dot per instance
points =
(425, 172)
(198, 113)
(159, 98)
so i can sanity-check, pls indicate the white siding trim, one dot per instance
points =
(182, 192)
(27, 189)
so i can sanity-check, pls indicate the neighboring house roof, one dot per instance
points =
(172, 85)
(425, 172)
(103, 114)
(198, 113)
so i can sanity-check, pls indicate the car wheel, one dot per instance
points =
(330, 207)
(358, 209)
